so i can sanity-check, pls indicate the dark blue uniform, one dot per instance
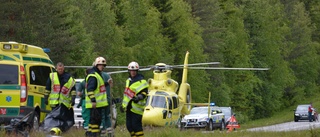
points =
(95, 113)
(133, 120)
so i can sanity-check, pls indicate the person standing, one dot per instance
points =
(81, 93)
(96, 97)
(60, 90)
(106, 119)
(310, 110)
(134, 100)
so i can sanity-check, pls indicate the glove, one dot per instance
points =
(73, 100)
(121, 109)
(46, 99)
(135, 99)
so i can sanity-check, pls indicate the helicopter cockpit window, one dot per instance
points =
(175, 102)
(159, 101)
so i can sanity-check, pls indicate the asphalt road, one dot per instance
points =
(289, 126)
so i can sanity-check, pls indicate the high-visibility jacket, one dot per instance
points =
(131, 91)
(60, 95)
(100, 93)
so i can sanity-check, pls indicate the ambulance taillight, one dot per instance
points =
(23, 90)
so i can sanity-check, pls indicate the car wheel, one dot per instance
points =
(31, 124)
(296, 119)
(222, 126)
(209, 126)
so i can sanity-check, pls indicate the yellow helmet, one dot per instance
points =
(100, 60)
(55, 131)
(133, 66)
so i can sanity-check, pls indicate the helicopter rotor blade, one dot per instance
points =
(223, 68)
(117, 67)
(197, 64)
(125, 71)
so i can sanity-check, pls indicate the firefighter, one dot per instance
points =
(106, 119)
(134, 100)
(96, 97)
(60, 90)
(81, 93)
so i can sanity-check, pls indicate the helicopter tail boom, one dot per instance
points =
(184, 90)
(185, 69)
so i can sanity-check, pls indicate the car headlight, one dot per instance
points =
(296, 114)
(203, 119)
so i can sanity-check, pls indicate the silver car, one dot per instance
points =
(77, 111)
(202, 117)
(227, 111)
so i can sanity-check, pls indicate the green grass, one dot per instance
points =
(285, 115)
(175, 132)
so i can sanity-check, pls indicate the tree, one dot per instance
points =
(264, 22)
(184, 33)
(303, 57)
(211, 19)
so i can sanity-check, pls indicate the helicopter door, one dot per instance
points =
(167, 113)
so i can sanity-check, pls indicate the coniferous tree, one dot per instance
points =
(143, 36)
(184, 34)
(313, 8)
(301, 53)
(64, 32)
(264, 22)
(100, 22)
(15, 22)
(53, 24)
(211, 18)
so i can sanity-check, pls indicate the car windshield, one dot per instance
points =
(199, 110)
(9, 74)
(302, 108)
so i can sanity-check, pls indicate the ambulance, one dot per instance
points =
(24, 70)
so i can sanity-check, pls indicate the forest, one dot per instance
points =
(283, 35)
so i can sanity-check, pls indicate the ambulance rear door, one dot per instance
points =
(9, 88)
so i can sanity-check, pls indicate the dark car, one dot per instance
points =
(301, 112)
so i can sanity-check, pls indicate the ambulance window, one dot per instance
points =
(9, 74)
(39, 75)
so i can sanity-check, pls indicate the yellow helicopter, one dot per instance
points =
(168, 101)
(165, 104)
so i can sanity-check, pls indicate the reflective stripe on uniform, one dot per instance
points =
(138, 86)
(99, 93)
(62, 94)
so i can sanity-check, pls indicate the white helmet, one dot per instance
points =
(133, 66)
(100, 60)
